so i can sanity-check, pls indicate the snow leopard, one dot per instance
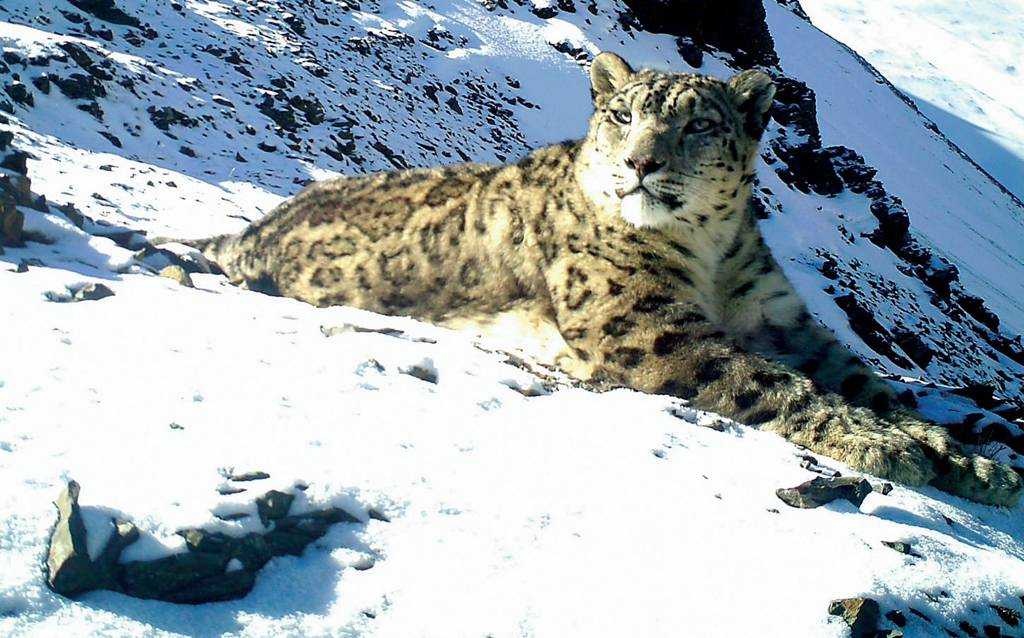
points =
(631, 257)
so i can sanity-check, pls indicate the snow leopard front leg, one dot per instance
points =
(645, 333)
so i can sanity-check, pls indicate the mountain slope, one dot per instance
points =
(961, 65)
(510, 514)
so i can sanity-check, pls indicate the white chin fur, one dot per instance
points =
(642, 210)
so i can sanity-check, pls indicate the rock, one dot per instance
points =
(12, 222)
(983, 394)
(16, 161)
(166, 117)
(107, 11)
(178, 274)
(1007, 615)
(79, 86)
(92, 292)
(68, 568)
(421, 372)
(896, 617)
(915, 347)
(901, 547)
(20, 94)
(863, 322)
(968, 629)
(736, 26)
(808, 168)
(861, 614)
(42, 83)
(975, 306)
(213, 567)
(273, 506)
(189, 577)
(256, 475)
(820, 491)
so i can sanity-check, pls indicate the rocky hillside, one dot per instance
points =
(193, 119)
(124, 120)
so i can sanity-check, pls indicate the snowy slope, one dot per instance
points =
(960, 64)
(564, 514)
(569, 513)
(212, 114)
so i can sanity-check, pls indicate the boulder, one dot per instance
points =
(68, 568)
(92, 292)
(821, 491)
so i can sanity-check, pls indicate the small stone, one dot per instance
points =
(861, 614)
(991, 631)
(422, 373)
(885, 489)
(236, 516)
(178, 274)
(820, 491)
(901, 547)
(242, 477)
(24, 264)
(92, 292)
(718, 425)
(273, 506)
(226, 490)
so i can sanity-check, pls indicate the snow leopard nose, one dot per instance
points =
(643, 165)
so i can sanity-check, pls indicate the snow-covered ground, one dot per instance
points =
(565, 514)
(961, 62)
(569, 513)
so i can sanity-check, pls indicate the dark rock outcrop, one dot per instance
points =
(107, 11)
(734, 26)
(214, 566)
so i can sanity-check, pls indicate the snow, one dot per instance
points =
(961, 63)
(515, 507)
(536, 516)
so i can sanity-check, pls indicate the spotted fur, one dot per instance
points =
(635, 251)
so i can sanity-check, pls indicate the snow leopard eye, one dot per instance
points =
(699, 125)
(622, 117)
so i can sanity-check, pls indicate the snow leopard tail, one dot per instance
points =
(225, 254)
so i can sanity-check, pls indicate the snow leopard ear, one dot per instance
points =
(607, 73)
(752, 92)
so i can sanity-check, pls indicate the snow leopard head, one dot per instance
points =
(668, 148)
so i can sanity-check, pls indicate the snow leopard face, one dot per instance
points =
(665, 148)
